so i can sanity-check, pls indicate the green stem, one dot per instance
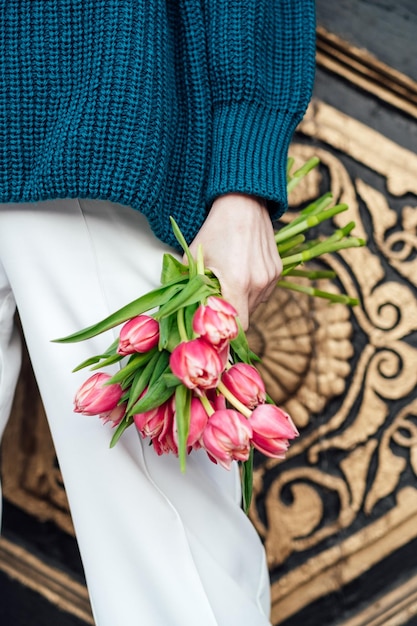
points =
(233, 400)
(284, 246)
(309, 222)
(300, 173)
(247, 481)
(318, 205)
(318, 293)
(181, 325)
(312, 209)
(327, 246)
(290, 163)
(180, 238)
(312, 274)
(206, 404)
(200, 261)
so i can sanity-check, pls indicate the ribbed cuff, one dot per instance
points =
(249, 153)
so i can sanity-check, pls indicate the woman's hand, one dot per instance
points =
(239, 247)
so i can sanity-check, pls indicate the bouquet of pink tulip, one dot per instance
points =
(187, 378)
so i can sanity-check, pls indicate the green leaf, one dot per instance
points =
(141, 380)
(125, 423)
(181, 324)
(125, 396)
(91, 361)
(188, 315)
(213, 280)
(165, 325)
(198, 289)
(154, 397)
(169, 335)
(135, 362)
(247, 482)
(95, 359)
(170, 379)
(114, 358)
(240, 346)
(161, 367)
(173, 269)
(181, 240)
(148, 301)
(182, 417)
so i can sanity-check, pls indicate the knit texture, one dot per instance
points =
(157, 104)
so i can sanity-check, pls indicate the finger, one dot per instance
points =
(236, 295)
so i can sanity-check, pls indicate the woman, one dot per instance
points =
(114, 115)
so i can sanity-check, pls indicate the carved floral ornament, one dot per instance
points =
(346, 495)
(346, 376)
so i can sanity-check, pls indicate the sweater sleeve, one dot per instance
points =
(261, 59)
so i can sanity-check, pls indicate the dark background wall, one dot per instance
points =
(386, 28)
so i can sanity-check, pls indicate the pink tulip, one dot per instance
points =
(198, 422)
(95, 396)
(197, 364)
(151, 423)
(165, 441)
(158, 424)
(245, 383)
(272, 428)
(164, 444)
(139, 334)
(216, 322)
(224, 354)
(227, 437)
(115, 415)
(217, 400)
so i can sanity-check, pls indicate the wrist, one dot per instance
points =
(237, 201)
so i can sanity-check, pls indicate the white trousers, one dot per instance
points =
(159, 548)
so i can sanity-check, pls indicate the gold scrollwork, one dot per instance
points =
(402, 433)
(358, 457)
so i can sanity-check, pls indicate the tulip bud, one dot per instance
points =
(165, 441)
(197, 364)
(246, 384)
(115, 415)
(139, 334)
(151, 423)
(227, 437)
(95, 396)
(158, 424)
(198, 422)
(164, 444)
(272, 428)
(216, 322)
(217, 400)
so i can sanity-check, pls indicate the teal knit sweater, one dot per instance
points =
(157, 104)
